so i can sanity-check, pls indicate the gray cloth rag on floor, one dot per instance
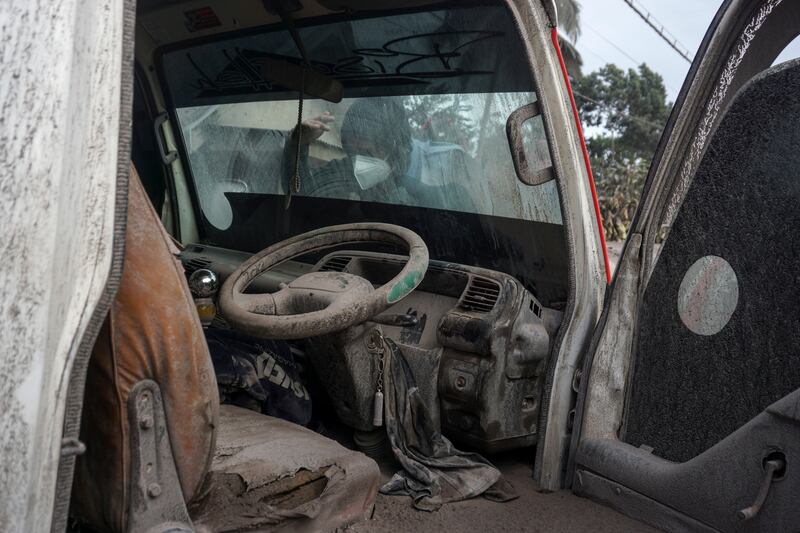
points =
(434, 471)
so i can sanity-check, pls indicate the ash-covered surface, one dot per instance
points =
(532, 512)
(689, 391)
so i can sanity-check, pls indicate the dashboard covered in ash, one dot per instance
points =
(485, 334)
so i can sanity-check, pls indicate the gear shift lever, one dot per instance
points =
(204, 284)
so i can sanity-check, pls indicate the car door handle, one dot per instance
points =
(771, 467)
(167, 157)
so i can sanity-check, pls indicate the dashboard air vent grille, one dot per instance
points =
(481, 295)
(336, 263)
(196, 263)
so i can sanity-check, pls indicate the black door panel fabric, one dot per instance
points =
(720, 321)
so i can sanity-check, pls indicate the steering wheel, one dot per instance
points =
(318, 303)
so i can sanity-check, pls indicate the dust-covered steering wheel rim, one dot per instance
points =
(314, 323)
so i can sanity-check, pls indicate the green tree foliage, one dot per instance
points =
(625, 113)
(446, 118)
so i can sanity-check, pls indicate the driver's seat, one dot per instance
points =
(237, 470)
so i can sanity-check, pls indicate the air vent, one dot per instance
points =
(480, 296)
(196, 263)
(336, 263)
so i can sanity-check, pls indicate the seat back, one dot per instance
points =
(152, 332)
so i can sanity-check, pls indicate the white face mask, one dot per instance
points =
(370, 171)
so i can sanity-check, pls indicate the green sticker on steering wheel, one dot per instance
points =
(402, 288)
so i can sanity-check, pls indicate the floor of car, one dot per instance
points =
(532, 512)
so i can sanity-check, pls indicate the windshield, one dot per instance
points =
(443, 151)
(420, 135)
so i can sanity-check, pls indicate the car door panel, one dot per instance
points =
(712, 392)
(720, 313)
(708, 488)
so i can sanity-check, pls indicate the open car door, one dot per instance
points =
(689, 409)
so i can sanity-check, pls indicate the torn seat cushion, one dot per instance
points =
(267, 470)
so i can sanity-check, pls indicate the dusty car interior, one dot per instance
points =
(391, 215)
(351, 266)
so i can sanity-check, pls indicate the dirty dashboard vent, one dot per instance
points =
(336, 263)
(196, 263)
(481, 295)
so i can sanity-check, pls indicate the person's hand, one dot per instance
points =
(314, 127)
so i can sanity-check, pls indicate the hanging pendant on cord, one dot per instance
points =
(294, 181)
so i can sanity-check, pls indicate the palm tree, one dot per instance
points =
(569, 26)
(569, 18)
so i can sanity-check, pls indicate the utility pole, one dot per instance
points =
(659, 29)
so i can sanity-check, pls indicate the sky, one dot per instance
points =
(611, 32)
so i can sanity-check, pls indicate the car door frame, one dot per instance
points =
(588, 260)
